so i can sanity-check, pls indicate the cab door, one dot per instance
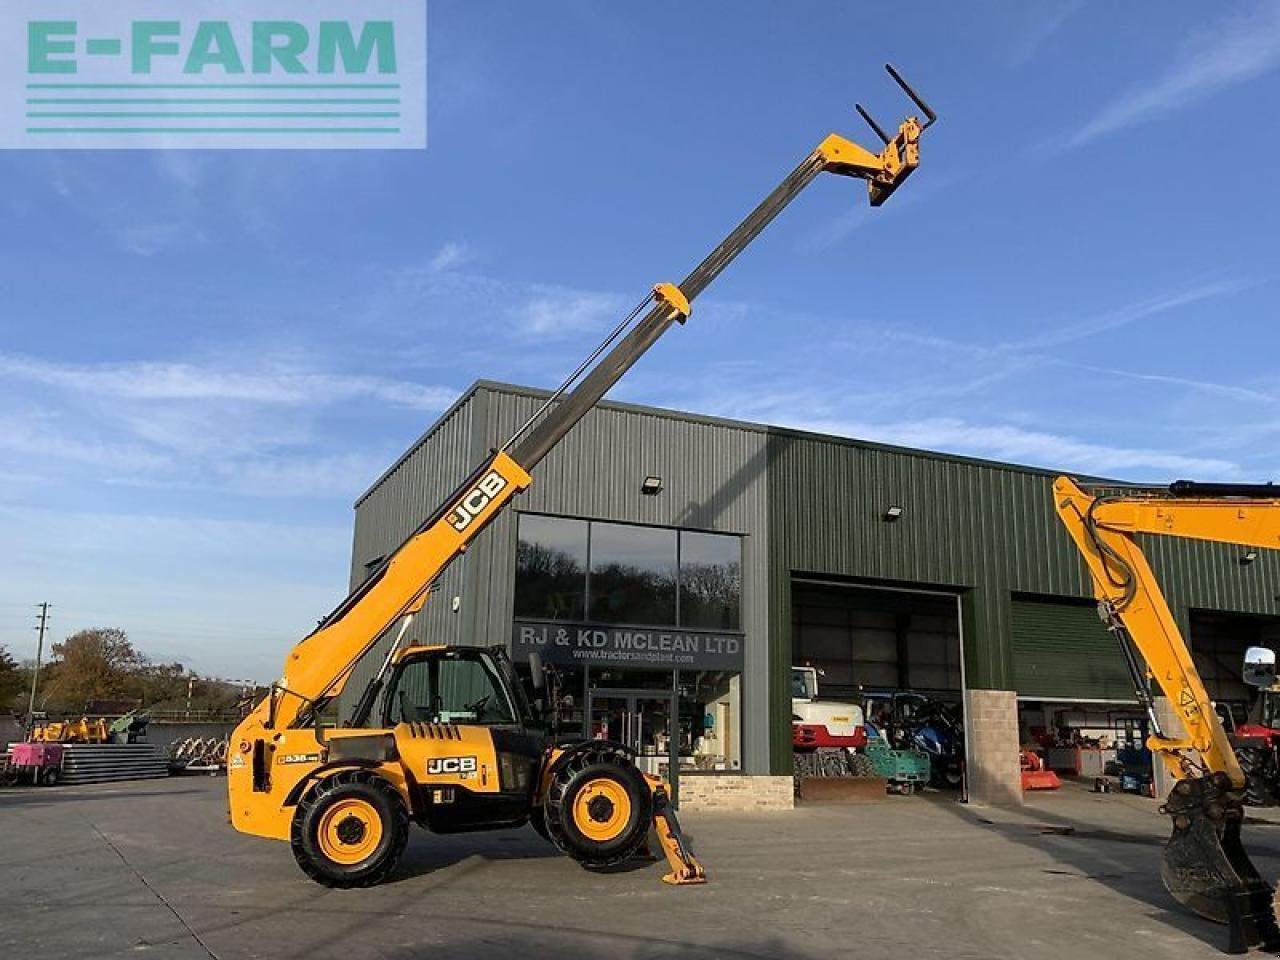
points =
(463, 739)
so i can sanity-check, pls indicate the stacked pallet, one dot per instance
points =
(109, 762)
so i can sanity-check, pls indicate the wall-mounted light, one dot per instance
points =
(1249, 557)
(651, 487)
(893, 513)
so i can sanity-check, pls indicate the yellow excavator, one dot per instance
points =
(445, 737)
(1205, 866)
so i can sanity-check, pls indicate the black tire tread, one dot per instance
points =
(556, 810)
(398, 828)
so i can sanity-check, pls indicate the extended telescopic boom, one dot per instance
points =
(319, 666)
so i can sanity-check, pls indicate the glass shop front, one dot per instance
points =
(643, 627)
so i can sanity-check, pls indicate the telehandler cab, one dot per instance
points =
(443, 736)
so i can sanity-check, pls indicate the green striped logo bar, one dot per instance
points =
(213, 74)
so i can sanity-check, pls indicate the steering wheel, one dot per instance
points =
(479, 705)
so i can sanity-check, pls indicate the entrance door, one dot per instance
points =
(644, 721)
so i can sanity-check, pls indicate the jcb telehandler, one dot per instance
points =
(442, 736)
(1205, 865)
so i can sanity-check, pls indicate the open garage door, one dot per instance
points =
(897, 654)
(873, 639)
(1218, 643)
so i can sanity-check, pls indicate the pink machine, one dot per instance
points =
(42, 762)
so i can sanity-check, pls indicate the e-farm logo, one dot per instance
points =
(213, 74)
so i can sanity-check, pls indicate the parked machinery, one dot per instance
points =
(1205, 865)
(912, 721)
(198, 755)
(83, 730)
(1257, 746)
(826, 735)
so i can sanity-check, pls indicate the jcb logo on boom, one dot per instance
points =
(460, 766)
(476, 499)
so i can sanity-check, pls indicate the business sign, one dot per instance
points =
(237, 74)
(596, 644)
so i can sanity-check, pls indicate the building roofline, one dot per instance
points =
(439, 422)
(667, 413)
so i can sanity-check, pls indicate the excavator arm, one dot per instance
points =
(1205, 865)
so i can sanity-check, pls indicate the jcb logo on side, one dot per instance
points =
(460, 766)
(476, 499)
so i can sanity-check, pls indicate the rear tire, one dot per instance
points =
(599, 809)
(350, 830)
(1258, 767)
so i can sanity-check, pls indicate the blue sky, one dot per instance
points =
(204, 357)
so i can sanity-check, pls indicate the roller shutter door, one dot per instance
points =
(1062, 651)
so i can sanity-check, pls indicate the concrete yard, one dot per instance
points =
(152, 869)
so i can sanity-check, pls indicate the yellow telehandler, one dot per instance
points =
(1205, 866)
(444, 736)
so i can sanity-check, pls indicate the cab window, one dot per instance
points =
(453, 688)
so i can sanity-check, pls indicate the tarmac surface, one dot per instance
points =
(152, 869)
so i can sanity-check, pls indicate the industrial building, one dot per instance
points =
(674, 567)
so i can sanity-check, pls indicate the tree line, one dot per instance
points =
(103, 664)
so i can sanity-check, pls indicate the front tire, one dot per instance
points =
(599, 809)
(350, 830)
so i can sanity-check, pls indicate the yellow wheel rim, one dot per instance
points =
(349, 831)
(601, 809)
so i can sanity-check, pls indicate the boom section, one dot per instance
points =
(318, 666)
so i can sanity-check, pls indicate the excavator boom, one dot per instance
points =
(1205, 865)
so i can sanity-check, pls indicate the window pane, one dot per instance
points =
(469, 693)
(633, 574)
(710, 581)
(551, 568)
(454, 688)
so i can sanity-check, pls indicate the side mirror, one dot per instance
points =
(1259, 667)
(537, 673)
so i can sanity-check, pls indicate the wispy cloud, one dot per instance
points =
(556, 311)
(1128, 314)
(256, 432)
(1241, 46)
(450, 256)
(183, 381)
(1050, 21)
(835, 229)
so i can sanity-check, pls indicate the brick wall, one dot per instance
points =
(991, 719)
(736, 792)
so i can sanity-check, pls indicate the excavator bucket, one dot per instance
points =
(1205, 866)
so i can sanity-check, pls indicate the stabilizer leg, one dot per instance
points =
(685, 868)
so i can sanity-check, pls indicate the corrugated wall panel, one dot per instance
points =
(988, 530)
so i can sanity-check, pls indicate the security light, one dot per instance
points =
(1249, 557)
(651, 487)
(893, 513)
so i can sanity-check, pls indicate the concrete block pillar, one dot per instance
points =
(1172, 725)
(991, 725)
